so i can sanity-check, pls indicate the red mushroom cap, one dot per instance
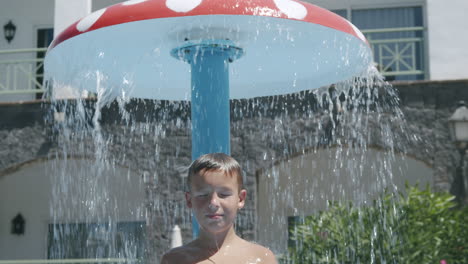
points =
(288, 46)
(137, 10)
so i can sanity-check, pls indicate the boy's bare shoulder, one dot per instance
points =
(260, 252)
(182, 254)
(171, 256)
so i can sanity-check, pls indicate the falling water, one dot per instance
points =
(116, 187)
(350, 139)
(120, 164)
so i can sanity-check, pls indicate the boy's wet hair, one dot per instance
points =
(216, 161)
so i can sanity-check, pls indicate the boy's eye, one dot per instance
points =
(224, 195)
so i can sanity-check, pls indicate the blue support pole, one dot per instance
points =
(209, 61)
(210, 104)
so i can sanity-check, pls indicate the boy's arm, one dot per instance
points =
(165, 259)
(170, 258)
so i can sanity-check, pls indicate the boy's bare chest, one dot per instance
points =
(239, 258)
(232, 260)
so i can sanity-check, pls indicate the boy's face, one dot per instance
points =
(215, 199)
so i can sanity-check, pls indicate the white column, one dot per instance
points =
(176, 237)
(448, 39)
(67, 12)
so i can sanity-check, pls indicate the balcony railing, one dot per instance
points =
(21, 70)
(399, 56)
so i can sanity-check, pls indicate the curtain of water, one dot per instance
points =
(93, 208)
(120, 165)
(118, 180)
(340, 144)
(118, 172)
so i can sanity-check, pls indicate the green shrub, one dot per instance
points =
(420, 227)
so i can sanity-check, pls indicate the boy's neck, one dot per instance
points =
(218, 240)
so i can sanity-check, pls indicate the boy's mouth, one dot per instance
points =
(214, 216)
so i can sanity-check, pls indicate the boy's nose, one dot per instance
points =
(214, 201)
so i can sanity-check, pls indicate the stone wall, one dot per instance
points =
(153, 137)
(427, 107)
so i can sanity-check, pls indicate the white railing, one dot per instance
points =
(398, 56)
(19, 71)
(69, 261)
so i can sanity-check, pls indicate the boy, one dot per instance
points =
(215, 195)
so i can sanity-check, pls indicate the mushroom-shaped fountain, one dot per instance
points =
(144, 49)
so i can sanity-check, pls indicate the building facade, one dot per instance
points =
(412, 40)
(419, 45)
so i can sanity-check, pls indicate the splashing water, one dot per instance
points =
(120, 164)
(339, 145)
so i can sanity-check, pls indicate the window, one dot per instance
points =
(44, 38)
(293, 221)
(396, 36)
(341, 12)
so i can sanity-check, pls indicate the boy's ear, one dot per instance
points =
(188, 199)
(242, 196)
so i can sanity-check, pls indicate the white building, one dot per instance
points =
(436, 33)
(412, 40)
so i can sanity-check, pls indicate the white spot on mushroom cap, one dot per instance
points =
(133, 2)
(89, 20)
(182, 5)
(291, 8)
(358, 32)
